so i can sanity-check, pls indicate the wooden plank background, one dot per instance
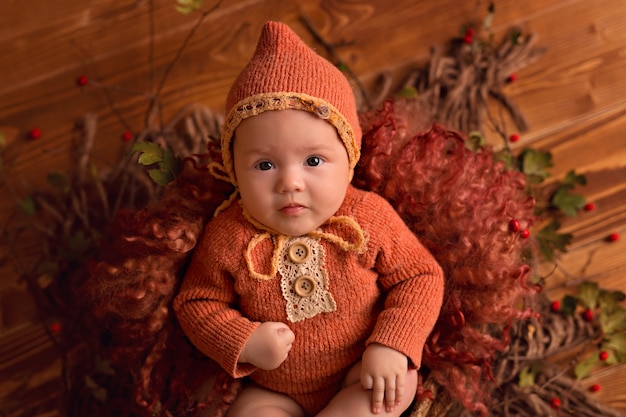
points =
(574, 98)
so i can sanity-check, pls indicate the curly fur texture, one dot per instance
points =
(458, 202)
(130, 288)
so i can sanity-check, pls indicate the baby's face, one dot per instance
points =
(292, 170)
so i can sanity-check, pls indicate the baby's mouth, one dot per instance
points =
(292, 209)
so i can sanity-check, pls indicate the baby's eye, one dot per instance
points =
(314, 161)
(264, 165)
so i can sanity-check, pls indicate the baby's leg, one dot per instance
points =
(259, 402)
(354, 400)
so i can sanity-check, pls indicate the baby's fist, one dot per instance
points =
(268, 346)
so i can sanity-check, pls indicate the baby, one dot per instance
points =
(313, 290)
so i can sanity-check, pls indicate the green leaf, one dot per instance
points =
(27, 204)
(567, 202)
(534, 164)
(188, 6)
(60, 180)
(568, 305)
(588, 294)
(342, 67)
(613, 321)
(160, 177)
(103, 366)
(408, 92)
(151, 153)
(515, 37)
(149, 158)
(506, 157)
(475, 141)
(549, 240)
(617, 343)
(97, 391)
(528, 374)
(610, 301)
(536, 278)
(76, 247)
(572, 179)
(584, 368)
(144, 146)
(169, 162)
(183, 10)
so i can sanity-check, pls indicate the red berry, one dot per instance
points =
(514, 137)
(468, 38)
(514, 225)
(555, 306)
(511, 78)
(524, 234)
(127, 136)
(594, 388)
(589, 207)
(603, 355)
(588, 315)
(613, 237)
(34, 133)
(82, 80)
(55, 327)
(555, 403)
(469, 31)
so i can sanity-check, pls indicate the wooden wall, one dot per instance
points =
(574, 98)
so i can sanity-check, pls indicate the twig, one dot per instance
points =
(152, 108)
(179, 53)
(151, 36)
(333, 52)
(107, 93)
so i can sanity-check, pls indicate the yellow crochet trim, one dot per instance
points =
(217, 170)
(279, 242)
(226, 203)
(260, 103)
(358, 247)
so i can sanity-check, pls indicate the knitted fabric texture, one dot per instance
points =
(284, 73)
(350, 313)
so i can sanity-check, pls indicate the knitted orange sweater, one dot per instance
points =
(390, 292)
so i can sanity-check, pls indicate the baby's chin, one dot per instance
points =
(295, 228)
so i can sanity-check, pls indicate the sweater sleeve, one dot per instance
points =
(205, 303)
(412, 280)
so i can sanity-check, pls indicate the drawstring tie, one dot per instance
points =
(279, 241)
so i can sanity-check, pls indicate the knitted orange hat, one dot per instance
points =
(284, 73)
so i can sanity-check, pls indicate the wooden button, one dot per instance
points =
(299, 252)
(304, 286)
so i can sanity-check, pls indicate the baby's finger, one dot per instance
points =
(390, 395)
(286, 334)
(378, 394)
(400, 381)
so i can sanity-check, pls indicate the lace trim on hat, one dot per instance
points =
(257, 104)
(314, 298)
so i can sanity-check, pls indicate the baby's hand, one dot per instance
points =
(384, 370)
(268, 345)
